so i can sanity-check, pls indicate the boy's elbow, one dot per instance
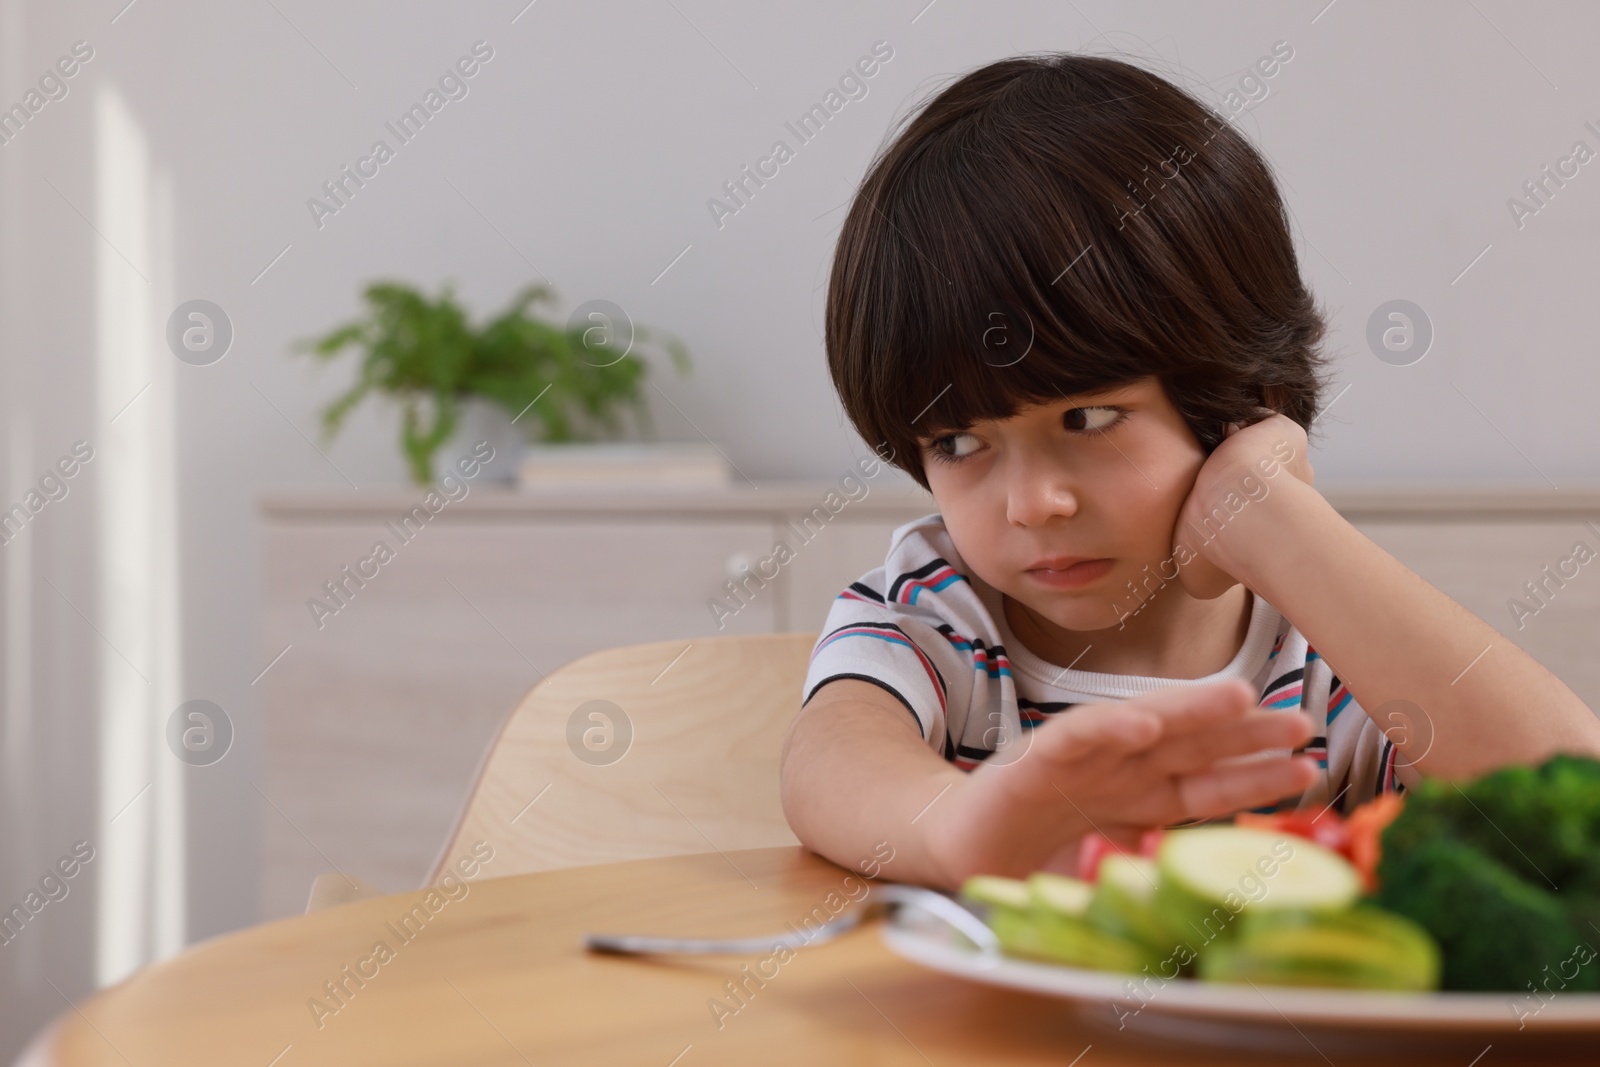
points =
(792, 779)
(1587, 743)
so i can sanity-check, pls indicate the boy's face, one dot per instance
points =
(1098, 476)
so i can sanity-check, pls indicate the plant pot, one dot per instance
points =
(481, 422)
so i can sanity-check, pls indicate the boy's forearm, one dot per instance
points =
(854, 793)
(1484, 702)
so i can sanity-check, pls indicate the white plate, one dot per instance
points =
(1145, 1005)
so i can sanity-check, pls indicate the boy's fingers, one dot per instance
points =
(1254, 732)
(1186, 708)
(1103, 730)
(1234, 787)
(1132, 726)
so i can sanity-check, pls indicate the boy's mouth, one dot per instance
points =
(1068, 573)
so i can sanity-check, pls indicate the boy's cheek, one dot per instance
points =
(1268, 466)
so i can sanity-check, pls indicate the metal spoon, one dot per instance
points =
(885, 897)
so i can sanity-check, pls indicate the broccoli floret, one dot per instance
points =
(1580, 894)
(1504, 872)
(1538, 821)
(1541, 822)
(1495, 929)
(1584, 907)
(1433, 810)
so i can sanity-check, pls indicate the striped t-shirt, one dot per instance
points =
(936, 638)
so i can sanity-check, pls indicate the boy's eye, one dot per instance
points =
(954, 447)
(1087, 420)
(948, 446)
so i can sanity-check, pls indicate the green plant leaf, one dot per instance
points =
(424, 353)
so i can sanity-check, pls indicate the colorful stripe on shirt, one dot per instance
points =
(1386, 779)
(889, 632)
(1338, 698)
(933, 576)
(988, 658)
(1317, 747)
(1032, 713)
(1284, 691)
(991, 659)
(861, 591)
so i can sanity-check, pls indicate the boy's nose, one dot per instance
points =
(1037, 492)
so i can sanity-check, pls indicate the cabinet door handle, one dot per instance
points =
(737, 564)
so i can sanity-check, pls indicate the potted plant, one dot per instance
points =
(557, 383)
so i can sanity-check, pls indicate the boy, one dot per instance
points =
(1066, 301)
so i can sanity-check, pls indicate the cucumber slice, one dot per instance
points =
(1236, 963)
(1244, 963)
(1060, 894)
(1210, 874)
(994, 890)
(1040, 934)
(1018, 933)
(1364, 947)
(1364, 919)
(1124, 903)
(1042, 918)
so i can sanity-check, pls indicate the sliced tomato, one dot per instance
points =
(1366, 825)
(1327, 828)
(1095, 847)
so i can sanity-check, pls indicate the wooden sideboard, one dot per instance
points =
(377, 715)
(383, 701)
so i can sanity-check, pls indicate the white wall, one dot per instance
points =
(588, 147)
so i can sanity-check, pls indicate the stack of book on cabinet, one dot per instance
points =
(623, 464)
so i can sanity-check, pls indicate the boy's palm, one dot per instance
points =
(1224, 471)
(1120, 769)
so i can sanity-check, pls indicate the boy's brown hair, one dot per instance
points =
(1056, 223)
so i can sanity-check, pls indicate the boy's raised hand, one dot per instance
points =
(1119, 769)
(1238, 475)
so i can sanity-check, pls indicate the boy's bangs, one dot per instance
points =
(1019, 314)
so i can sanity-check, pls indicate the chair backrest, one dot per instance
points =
(630, 753)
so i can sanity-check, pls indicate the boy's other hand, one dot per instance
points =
(1121, 768)
(1239, 474)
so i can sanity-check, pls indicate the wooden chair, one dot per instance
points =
(635, 752)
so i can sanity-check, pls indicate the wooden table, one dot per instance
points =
(499, 976)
